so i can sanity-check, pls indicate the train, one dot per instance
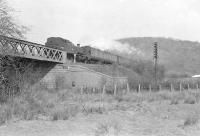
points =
(86, 54)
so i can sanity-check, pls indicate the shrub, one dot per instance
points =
(197, 97)
(191, 120)
(119, 98)
(64, 112)
(73, 110)
(144, 72)
(102, 129)
(164, 96)
(189, 100)
(60, 114)
(90, 110)
(109, 128)
(5, 114)
(174, 101)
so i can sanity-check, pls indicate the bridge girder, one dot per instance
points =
(20, 48)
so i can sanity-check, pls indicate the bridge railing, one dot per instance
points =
(25, 49)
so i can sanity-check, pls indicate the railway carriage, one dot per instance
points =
(94, 54)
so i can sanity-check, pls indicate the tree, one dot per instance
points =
(145, 71)
(8, 27)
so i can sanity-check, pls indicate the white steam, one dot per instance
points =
(105, 44)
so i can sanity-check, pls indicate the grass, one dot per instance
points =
(108, 128)
(56, 105)
(64, 104)
(102, 129)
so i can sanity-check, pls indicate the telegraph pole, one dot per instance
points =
(155, 57)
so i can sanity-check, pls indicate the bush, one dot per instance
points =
(174, 101)
(119, 98)
(93, 109)
(189, 100)
(5, 114)
(102, 129)
(197, 96)
(191, 120)
(145, 72)
(109, 128)
(61, 114)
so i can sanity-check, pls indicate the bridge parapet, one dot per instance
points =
(25, 49)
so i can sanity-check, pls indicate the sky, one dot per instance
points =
(89, 21)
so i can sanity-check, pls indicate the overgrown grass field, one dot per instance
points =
(132, 113)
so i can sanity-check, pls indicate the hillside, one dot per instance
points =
(176, 55)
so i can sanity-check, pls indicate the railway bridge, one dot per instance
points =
(52, 68)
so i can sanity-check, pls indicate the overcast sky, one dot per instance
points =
(82, 21)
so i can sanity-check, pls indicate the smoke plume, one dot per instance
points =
(115, 46)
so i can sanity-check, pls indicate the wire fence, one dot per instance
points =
(165, 87)
(137, 88)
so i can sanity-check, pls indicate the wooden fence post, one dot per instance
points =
(180, 87)
(171, 87)
(197, 87)
(139, 88)
(128, 89)
(160, 87)
(74, 61)
(115, 89)
(82, 90)
(93, 90)
(150, 88)
(103, 93)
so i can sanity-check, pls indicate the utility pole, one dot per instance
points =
(155, 57)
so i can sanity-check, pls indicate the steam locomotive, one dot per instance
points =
(86, 54)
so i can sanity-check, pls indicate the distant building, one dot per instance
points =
(196, 76)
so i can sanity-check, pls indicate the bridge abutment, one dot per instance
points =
(62, 76)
